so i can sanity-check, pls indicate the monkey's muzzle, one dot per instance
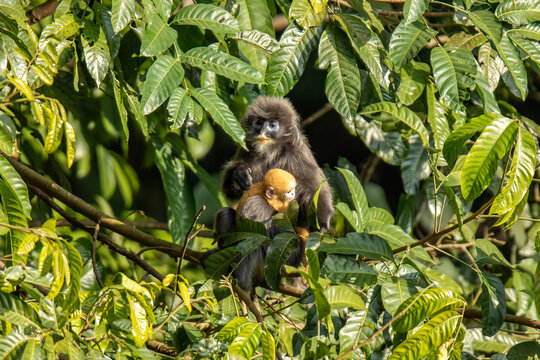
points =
(262, 139)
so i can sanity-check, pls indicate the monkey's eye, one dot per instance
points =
(273, 124)
(258, 124)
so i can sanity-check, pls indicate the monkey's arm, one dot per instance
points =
(236, 179)
(257, 208)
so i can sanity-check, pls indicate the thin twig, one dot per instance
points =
(433, 14)
(93, 255)
(435, 235)
(317, 114)
(190, 236)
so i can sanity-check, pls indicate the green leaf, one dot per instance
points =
(219, 263)
(358, 196)
(178, 107)
(119, 100)
(207, 16)
(520, 174)
(488, 253)
(343, 82)
(12, 345)
(231, 329)
(32, 351)
(414, 77)
(287, 64)
(407, 41)
(456, 203)
(517, 77)
(529, 47)
(432, 335)
(96, 53)
(395, 291)
(173, 176)
(378, 215)
(518, 12)
(415, 166)
(8, 131)
(454, 144)
(281, 247)
(62, 28)
(370, 246)
(157, 36)
(484, 157)
(254, 17)
(321, 303)
(467, 41)
(342, 269)
(122, 12)
(366, 44)
(454, 73)
(486, 87)
(139, 324)
(403, 114)
(18, 319)
(257, 39)
(162, 78)
(341, 297)
(436, 116)
(222, 63)
(221, 114)
(387, 145)
(414, 9)
(396, 238)
(314, 265)
(268, 345)
(524, 351)
(493, 303)
(247, 341)
(529, 31)
(430, 302)
(17, 186)
(75, 268)
(304, 14)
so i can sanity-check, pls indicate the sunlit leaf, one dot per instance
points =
(287, 64)
(483, 158)
(407, 40)
(162, 78)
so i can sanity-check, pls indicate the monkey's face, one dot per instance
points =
(270, 124)
(279, 199)
(263, 132)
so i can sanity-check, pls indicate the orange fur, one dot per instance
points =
(280, 182)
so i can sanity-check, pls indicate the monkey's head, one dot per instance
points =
(269, 123)
(279, 188)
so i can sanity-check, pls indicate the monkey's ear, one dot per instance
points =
(269, 192)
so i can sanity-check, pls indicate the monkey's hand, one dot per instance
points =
(242, 177)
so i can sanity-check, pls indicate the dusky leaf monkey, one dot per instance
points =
(274, 140)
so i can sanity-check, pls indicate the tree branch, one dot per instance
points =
(102, 238)
(42, 11)
(77, 204)
(514, 319)
(161, 348)
(251, 305)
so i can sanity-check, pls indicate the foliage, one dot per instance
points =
(100, 92)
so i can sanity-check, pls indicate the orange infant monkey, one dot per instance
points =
(259, 203)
